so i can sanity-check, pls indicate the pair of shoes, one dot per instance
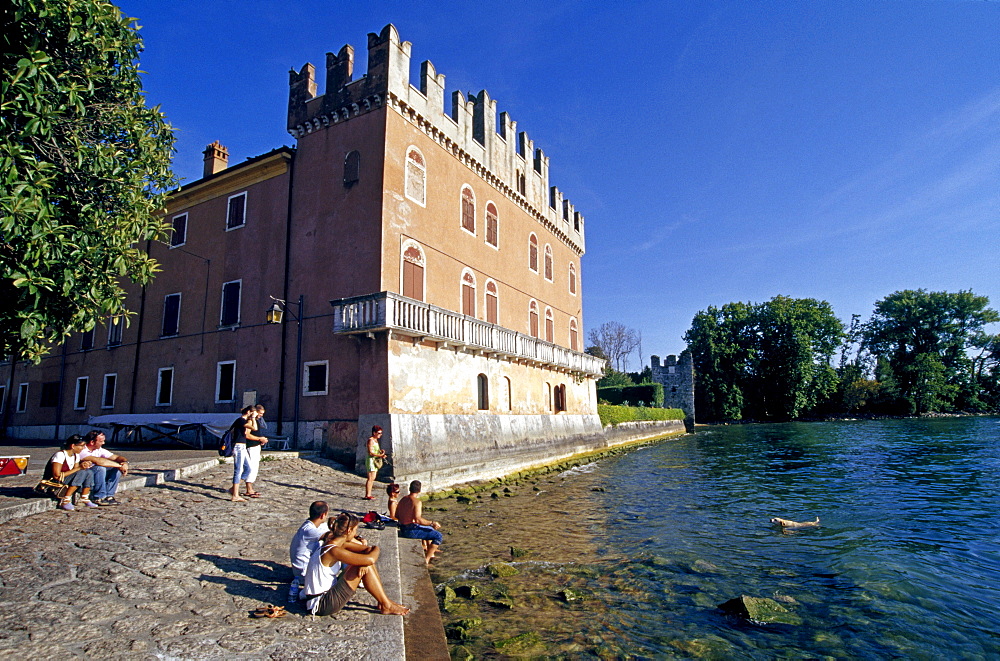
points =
(255, 494)
(66, 505)
(109, 501)
(368, 498)
(270, 611)
(89, 503)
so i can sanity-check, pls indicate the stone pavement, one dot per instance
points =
(177, 569)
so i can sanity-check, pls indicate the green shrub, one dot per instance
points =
(648, 394)
(613, 415)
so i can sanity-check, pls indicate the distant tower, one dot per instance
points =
(677, 378)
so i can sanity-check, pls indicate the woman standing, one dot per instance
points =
(343, 549)
(67, 467)
(243, 470)
(376, 455)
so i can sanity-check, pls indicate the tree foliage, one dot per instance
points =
(764, 361)
(84, 164)
(616, 341)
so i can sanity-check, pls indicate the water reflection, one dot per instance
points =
(632, 555)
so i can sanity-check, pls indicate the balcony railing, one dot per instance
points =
(388, 311)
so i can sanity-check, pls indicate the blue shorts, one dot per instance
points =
(417, 531)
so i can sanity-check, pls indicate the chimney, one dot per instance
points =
(216, 159)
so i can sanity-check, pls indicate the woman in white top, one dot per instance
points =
(343, 552)
(67, 467)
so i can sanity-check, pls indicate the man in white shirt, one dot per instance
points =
(305, 541)
(108, 468)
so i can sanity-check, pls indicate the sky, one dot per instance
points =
(718, 151)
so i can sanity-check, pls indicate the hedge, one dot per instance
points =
(645, 394)
(613, 415)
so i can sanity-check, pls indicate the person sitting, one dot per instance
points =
(412, 524)
(67, 467)
(392, 491)
(342, 549)
(304, 543)
(108, 468)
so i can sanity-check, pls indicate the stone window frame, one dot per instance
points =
(510, 393)
(495, 218)
(533, 252)
(82, 388)
(159, 387)
(482, 392)
(548, 270)
(239, 304)
(219, 399)
(486, 299)
(420, 261)
(533, 311)
(231, 205)
(116, 327)
(114, 390)
(550, 325)
(574, 334)
(21, 405)
(467, 209)
(573, 283)
(352, 168)
(421, 166)
(182, 219)
(468, 279)
(163, 321)
(305, 378)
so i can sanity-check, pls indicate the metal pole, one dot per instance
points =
(298, 372)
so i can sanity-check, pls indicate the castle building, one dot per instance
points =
(429, 274)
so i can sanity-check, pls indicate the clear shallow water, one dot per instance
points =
(906, 563)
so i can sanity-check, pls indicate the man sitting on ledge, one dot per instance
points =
(108, 468)
(414, 526)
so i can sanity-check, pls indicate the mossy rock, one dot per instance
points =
(456, 632)
(760, 610)
(506, 490)
(501, 570)
(448, 597)
(470, 622)
(461, 653)
(495, 495)
(520, 643)
(599, 489)
(516, 552)
(464, 500)
(570, 594)
(501, 602)
(467, 591)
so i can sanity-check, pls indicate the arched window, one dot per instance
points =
(468, 293)
(548, 262)
(468, 210)
(416, 176)
(572, 278)
(483, 392)
(533, 253)
(492, 302)
(352, 169)
(413, 271)
(550, 327)
(574, 335)
(510, 399)
(560, 398)
(533, 319)
(492, 225)
(548, 396)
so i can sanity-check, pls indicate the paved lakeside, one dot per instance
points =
(177, 569)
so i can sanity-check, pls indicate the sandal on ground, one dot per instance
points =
(368, 498)
(270, 611)
(255, 494)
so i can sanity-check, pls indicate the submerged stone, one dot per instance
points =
(704, 567)
(501, 570)
(464, 500)
(760, 610)
(501, 602)
(569, 594)
(461, 653)
(467, 591)
(470, 622)
(516, 552)
(520, 643)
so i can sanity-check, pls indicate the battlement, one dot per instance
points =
(470, 130)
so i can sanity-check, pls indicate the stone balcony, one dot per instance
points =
(406, 317)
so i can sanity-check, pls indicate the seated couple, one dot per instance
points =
(339, 563)
(84, 464)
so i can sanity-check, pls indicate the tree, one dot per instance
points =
(764, 361)
(616, 341)
(85, 166)
(925, 338)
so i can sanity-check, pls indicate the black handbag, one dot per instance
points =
(51, 488)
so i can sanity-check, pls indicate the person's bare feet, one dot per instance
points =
(392, 608)
(237, 499)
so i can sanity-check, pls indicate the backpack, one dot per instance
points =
(226, 444)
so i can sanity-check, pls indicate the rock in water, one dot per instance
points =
(760, 610)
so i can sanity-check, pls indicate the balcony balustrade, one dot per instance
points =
(388, 311)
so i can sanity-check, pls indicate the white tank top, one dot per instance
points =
(319, 577)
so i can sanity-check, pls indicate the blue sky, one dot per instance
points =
(719, 151)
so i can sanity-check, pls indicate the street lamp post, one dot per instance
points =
(276, 315)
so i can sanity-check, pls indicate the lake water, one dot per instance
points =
(905, 563)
